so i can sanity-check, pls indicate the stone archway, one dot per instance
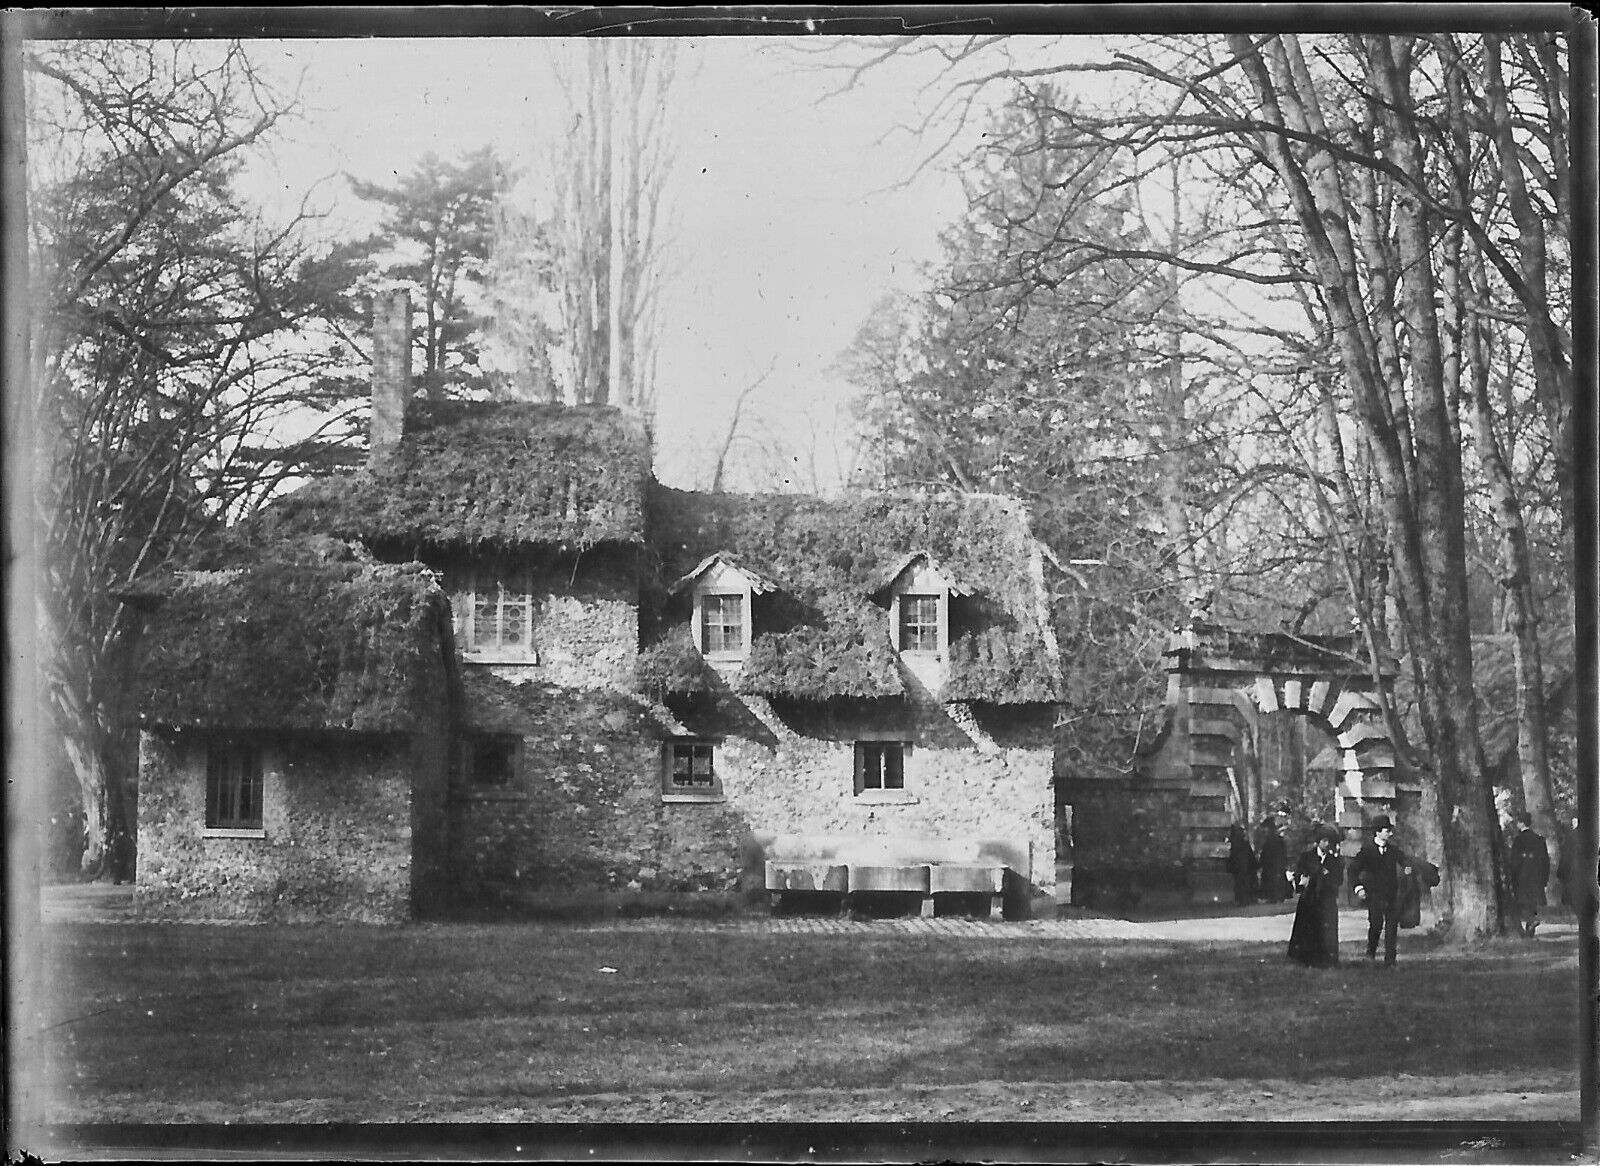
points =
(1220, 681)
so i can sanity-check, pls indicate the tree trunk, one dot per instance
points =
(1516, 582)
(1424, 510)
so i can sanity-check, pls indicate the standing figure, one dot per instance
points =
(1241, 865)
(1314, 938)
(1379, 868)
(1529, 868)
(1272, 859)
(1567, 869)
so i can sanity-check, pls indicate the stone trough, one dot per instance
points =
(930, 871)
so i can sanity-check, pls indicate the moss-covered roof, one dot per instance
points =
(824, 632)
(277, 645)
(470, 475)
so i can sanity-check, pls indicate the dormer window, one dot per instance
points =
(919, 606)
(722, 607)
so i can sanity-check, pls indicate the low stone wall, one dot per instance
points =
(336, 842)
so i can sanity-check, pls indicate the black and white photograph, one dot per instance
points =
(801, 584)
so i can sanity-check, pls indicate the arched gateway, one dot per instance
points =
(1166, 830)
(1220, 681)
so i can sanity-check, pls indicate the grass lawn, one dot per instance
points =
(531, 1021)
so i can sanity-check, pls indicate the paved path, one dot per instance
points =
(102, 903)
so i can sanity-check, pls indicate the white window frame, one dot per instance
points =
(670, 752)
(489, 580)
(905, 607)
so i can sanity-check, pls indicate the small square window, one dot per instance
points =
(689, 767)
(234, 786)
(722, 623)
(880, 765)
(490, 762)
(919, 623)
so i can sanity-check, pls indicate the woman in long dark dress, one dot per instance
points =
(1314, 938)
(1241, 865)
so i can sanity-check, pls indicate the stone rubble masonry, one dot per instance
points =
(589, 636)
(802, 779)
(337, 837)
(587, 813)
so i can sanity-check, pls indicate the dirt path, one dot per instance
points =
(1474, 1097)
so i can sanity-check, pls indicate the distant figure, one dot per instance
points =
(1272, 861)
(1241, 865)
(1566, 869)
(1379, 870)
(1529, 868)
(1314, 938)
(1408, 905)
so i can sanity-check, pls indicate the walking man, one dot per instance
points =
(1376, 877)
(1530, 871)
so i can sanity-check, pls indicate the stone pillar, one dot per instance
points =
(391, 370)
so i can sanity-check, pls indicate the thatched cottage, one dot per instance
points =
(503, 663)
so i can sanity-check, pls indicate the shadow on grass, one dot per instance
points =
(447, 1015)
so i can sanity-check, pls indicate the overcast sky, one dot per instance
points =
(795, 212)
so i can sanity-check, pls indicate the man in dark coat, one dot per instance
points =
(1376, 878)
(1272, 860)
(1529, 868)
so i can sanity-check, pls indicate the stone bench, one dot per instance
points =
(925, 880)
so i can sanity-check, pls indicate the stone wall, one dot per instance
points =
(584, 812)
(789, 769)
(336, 840)
(1128, 841)
(431, 873)
(588, 630)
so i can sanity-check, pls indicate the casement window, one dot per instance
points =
(880, 765)
(234, 787)
(722, 624)
(919, 623)
(489, 762)
(689, 770)
(493, 612)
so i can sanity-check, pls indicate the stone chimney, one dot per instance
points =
(391, 370)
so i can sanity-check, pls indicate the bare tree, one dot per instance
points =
(1362, 178)
(731, 434)
(608, 231)
(164, 355)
